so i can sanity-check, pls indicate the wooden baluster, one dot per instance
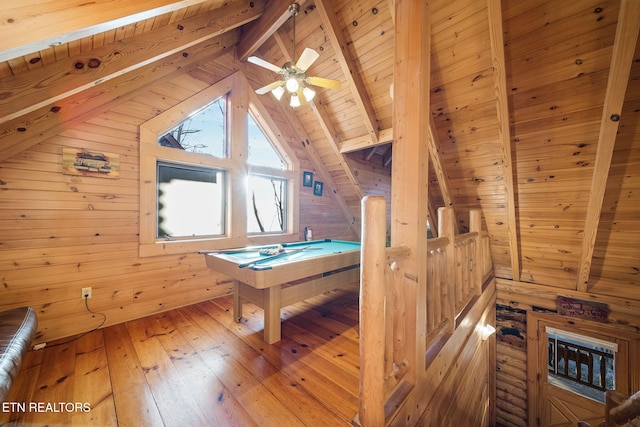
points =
(432, 258)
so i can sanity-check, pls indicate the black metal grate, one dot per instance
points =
(581, 364)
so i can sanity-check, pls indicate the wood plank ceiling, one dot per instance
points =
(535, 106)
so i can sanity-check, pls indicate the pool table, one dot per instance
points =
(303, 270)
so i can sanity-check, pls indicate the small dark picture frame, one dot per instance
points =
(317, 188)
(307, 179)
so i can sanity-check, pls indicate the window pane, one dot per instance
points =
(190, 201)
(203, 132)
(266, 204)
(261, 151)
(581, 364)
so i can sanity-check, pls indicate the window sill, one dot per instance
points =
(175, 247)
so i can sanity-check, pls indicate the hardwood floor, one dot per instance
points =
(194, 366)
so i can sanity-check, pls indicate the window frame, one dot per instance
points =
(240, 101)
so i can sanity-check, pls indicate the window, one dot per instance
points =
(266, 191)
(190, 201)
(203, 132)
(214, 175)
(581, 364)
(261, 150)
(267, 201)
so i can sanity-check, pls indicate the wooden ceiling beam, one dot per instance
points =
(31, 26)
(494, 10)
(439, 167)
(385, 136)
(31, 90)
(621, 61)
(319, 166)
(41, 124)
(370, 154)
(255, 34)
(288, 116)
(387, 157)
(329, 131)
(349, 68)
(332, 136)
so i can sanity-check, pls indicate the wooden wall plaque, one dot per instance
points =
(588, 310)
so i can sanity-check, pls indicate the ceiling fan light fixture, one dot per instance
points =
(292, 84)
(295, 101)
(293, 73)
(308, 93)
(278, 92)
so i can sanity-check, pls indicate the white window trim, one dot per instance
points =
(583, 339)
(241, 98)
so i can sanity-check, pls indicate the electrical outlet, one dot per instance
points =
(86, 293)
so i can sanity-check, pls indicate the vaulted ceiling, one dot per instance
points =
(535, 105)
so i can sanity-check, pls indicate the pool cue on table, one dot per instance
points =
(242, 250)
(269, 258)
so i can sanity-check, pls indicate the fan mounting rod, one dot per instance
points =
(294, 79)
(294, 9)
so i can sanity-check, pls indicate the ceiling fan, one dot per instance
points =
(293, 74)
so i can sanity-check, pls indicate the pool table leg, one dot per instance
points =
(272, 325)
(237, 302)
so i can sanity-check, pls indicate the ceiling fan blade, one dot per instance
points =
(268, 88)
(307, 58)
(263, 63)
(322, 82)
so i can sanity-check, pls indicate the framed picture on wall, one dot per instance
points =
(78, 161)
(307, 179)
(317, 188)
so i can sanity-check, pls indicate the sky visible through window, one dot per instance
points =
(203, 132)
(261, 152)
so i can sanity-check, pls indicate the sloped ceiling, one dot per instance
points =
(535, 105)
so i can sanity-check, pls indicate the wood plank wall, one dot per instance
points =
(511, 364)
(375, 180)
(60, 233)
(461, 381)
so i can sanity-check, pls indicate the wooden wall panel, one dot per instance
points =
(467, 126)
(60, 233)
(374, 180)
(462, 387)
(616, 257)
(556, 92)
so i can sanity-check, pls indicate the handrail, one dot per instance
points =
(620, 410)
(389, 322)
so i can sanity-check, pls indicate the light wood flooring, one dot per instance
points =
(194, 366)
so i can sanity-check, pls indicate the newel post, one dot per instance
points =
(446, 228)
(372, 316)
(475, 225)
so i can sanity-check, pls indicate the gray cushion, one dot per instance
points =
(17, 330)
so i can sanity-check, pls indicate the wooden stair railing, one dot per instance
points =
(622, 410)
(457, 266)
